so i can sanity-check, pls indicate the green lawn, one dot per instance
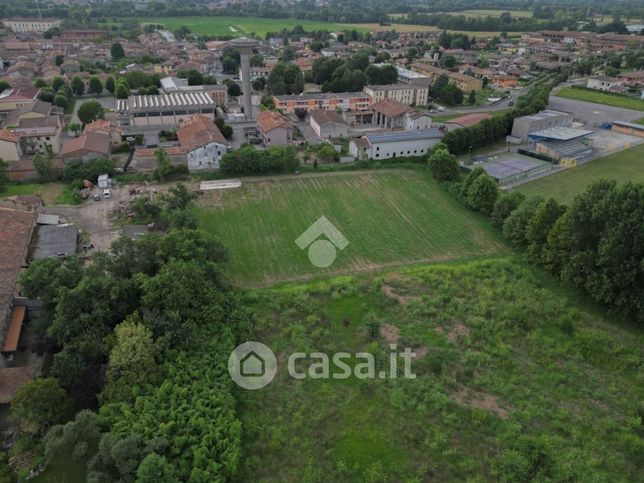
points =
(516, 379)
(237, 26)
(389, 218)
(627, 165)
(589, 95)
(21, 189)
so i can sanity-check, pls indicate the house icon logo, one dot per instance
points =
(252, 365)
(322, 253)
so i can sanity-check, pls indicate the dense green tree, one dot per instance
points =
(482, 194)
(259, 84)
(121, 89)
(443, 165)
(4, 85)
(194, 77)
(109, 84)
(387, 74)
(285, 79)
(90, 111)
(44, 164)
(40, 83)
(471, 99)
(164, 165)
(47, 94)
(544, 218)
(234, 90)
(515, 226)
(117, 52)
(155, 469)
(95, 85)
(78, 86)
(505, 204)
(47, 276)
(40, 402)
(74, 438)
(57, 83)
(61, 101)
(469, 179)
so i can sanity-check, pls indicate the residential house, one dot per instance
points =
(11, 99)
(38, 133)
(10, 149)
(274, 128)
(407, 94)
(418, 121)
(605, 83)
(107, 127)
(203, 142)
(91, 145)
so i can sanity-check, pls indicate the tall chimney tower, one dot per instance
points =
(245, 46)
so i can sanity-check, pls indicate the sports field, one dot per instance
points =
(242, 25)
(589, 95)
(389, 218)
(627, 165)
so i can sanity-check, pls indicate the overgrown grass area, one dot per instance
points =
(391, 217)
(515, 381)
(238, 26)
(627, 165)
(590, 95)
(49, 192)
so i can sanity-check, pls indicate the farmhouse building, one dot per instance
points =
(203, 142)
(328, 124)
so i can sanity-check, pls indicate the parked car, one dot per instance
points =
(107, 194)
(97, 197)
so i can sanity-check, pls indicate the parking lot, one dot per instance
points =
(591, 114)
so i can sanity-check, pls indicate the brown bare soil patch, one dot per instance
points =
(391, 292)
(459, 330)
(481, 400)
(390, 333)
(421, 351)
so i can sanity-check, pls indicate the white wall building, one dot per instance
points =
(31, 24)
(394, 144)
(328, 124)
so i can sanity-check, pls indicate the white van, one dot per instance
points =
(107, 194)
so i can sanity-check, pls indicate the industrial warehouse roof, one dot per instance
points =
(559, 133)
(323, 95)
(55, 240)
(632, 125)
(392, 137)
(174, 100)
(547, 114)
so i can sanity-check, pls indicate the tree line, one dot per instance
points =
(144, 331)
(596, 244)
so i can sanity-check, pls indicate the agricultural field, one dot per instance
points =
(516, 380)
(390, 218)
(492, 13)
(242, 25)
(598, 97)
(403, 27)
(627, 165)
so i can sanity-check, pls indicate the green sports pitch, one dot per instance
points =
(237, 26)
(627, 165)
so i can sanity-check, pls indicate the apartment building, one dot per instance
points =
(407, 94)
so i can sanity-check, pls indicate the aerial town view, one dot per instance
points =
(321, 241)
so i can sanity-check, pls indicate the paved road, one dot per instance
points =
(593, 114)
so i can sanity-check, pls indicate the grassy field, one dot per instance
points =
(492, 13)
(389, 217)
(242, 25)
(403, 27)
(49, 192)
(515, 381)
(627, 165)
(589, 95)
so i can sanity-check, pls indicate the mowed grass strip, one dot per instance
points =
(627, 165)
(389, 218)
(242, 25)
(599, 97)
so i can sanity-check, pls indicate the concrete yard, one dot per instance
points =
(593, 114)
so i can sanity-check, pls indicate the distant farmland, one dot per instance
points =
(242, 25)
(627, 165)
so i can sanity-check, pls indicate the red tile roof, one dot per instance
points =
(6, 135)
(390, 108)
(22, 93)
(199, 131)
(470, 119)
(92, 142)
(322, 116)
(269, 120)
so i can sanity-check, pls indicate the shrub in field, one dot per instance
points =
(249, 160)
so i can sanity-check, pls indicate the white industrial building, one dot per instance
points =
(394, 144)
(328, 124)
